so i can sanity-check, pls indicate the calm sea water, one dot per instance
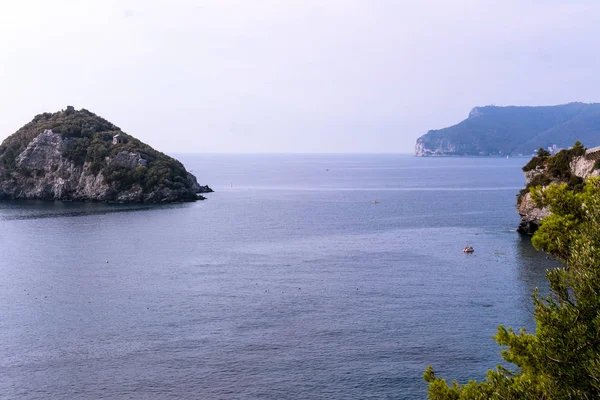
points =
(288, 282)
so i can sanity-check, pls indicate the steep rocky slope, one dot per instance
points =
(570, 167)
(77, 155)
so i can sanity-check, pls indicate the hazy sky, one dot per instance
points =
(292, 76)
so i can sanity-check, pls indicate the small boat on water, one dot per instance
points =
(375, 202)
(468, 249)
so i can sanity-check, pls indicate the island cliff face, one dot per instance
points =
(76, 155)
(570, 167)
(501, 131)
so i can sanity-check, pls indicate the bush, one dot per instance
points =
(578, 150)
(535, 162)
(9, 156)
(542, 152)
(540, 180)
(559, 166)
(76, 150)
(576, 184)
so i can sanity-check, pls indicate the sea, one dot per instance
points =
(300, 277)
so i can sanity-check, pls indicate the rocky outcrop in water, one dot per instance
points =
(73, 155)
(531, 215)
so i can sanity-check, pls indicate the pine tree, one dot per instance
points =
(562, 359)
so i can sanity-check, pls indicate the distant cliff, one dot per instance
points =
(77, 155)
(570, 167)
(500, 131)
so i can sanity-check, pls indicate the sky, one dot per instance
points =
(292, 76)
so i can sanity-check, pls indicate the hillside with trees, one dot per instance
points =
(77, 155)
(501, 131)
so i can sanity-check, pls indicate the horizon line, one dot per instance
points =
(288, 153)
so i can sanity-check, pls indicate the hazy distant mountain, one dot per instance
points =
(493, 131)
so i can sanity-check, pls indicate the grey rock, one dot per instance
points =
(43, 151)
(532, 215)
(128, 160)
(43, 173)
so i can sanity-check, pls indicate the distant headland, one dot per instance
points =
(77, 155)
(514, 131)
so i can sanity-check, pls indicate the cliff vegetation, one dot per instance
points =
(555, 168)
(569, 167)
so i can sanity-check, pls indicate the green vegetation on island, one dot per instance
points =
(91, 145)
(561, 360)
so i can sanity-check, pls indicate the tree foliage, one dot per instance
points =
(537, 161)
(561, 360)
(556, 168)
(542, 152)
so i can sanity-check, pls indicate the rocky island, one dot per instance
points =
(514, 131)
(570, 167)
(75, 155)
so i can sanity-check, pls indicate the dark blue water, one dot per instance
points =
(288, 282)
